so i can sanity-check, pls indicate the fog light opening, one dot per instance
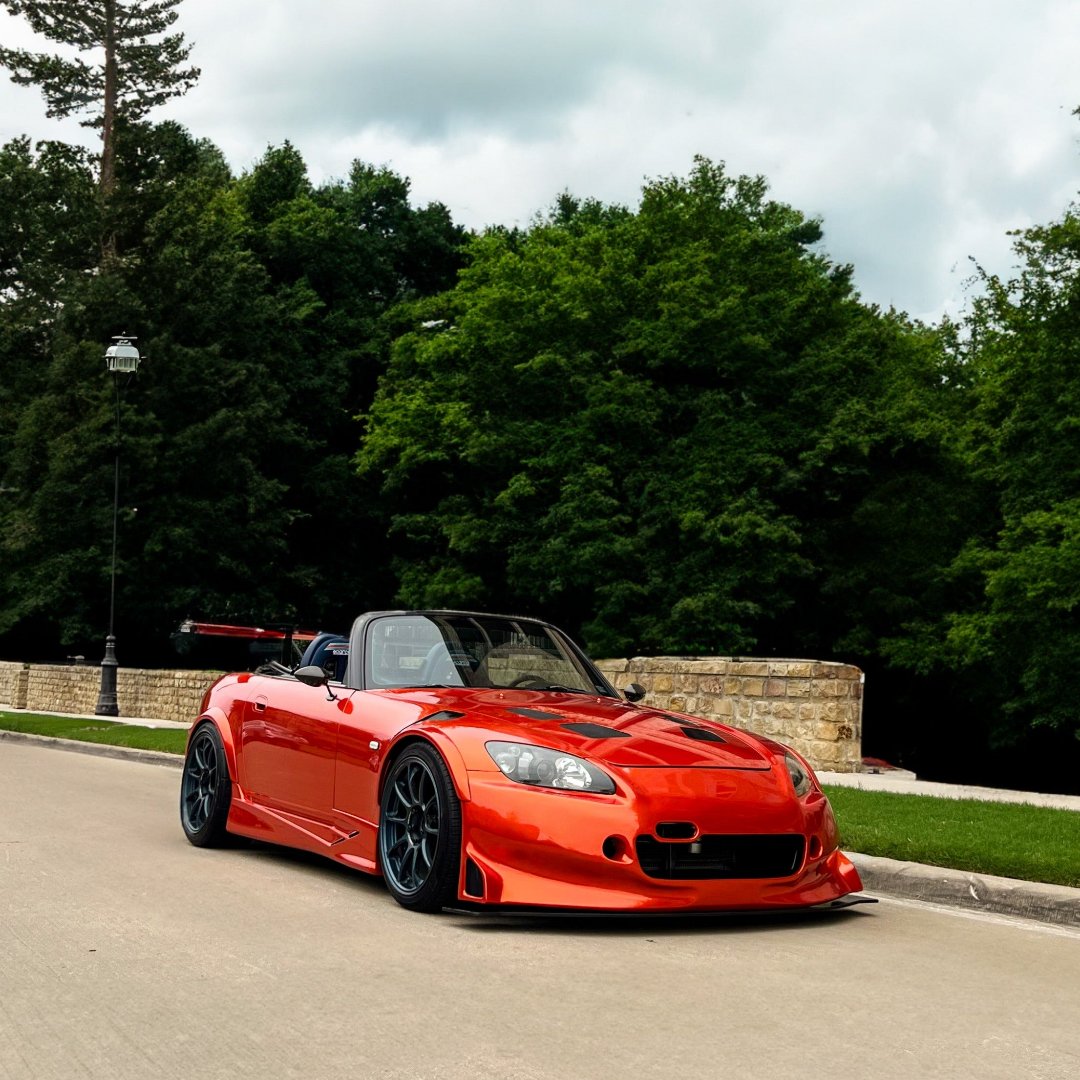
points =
(615, 848)
(815, 848)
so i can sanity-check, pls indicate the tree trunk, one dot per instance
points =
(107, 178)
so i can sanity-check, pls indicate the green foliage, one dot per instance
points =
(260, 328)
(1018, 625)
(1032, 843)
(108, 732)
(653, 425)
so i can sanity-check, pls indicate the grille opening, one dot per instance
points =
(474, 880)
(715, 857)
(676, 830)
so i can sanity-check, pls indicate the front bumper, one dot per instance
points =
(536, 848)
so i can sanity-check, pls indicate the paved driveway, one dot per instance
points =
(127, 953)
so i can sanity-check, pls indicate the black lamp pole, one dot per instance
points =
(120, 359)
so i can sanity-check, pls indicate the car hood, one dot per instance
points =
(603, 730)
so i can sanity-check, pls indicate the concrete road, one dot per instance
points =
(127, 953)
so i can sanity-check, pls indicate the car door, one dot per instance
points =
(289, 738)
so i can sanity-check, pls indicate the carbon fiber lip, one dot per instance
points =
(510, 911)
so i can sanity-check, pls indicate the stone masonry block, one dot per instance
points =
(751, 669)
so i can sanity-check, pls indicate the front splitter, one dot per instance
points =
(516, 911)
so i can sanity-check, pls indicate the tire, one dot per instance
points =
(420, 831)
(205, 789)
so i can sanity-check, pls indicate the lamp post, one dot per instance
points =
(122, 358)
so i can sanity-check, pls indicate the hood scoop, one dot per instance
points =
(702, 734)
(596, 731)
(535, 714)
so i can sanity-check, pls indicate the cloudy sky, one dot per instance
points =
(920, 131)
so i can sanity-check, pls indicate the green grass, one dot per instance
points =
(1034, 843)
(170, 740)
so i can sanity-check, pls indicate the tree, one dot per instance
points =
(647, 423)
(1018, 631)
(139, 65)
(258, 303)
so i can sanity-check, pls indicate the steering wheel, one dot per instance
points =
(528, 677)
(439, 667)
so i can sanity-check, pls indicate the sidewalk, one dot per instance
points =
(906, 784)
(1054, 904)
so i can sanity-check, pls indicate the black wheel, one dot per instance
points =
(420, 831)
(205, 789)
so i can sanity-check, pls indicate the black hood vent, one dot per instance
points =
(596, 731)
(536, 714)
(444, 714)
(702, 734)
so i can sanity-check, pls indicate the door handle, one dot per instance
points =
(260, 704)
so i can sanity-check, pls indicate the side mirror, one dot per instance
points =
(312, 675)
(634, 692)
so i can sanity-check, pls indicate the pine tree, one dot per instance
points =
(139, 64)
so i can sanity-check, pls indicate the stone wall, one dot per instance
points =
(13, 678)
(812, 706)
(815, 707)
(163, 695)
(67, 688)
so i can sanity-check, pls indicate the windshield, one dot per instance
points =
(474, 650)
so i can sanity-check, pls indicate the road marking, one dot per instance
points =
(1015, 921)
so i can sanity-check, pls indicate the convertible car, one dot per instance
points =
(482, 761)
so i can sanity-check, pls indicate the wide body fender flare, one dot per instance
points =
(445, 745)
(218, 718)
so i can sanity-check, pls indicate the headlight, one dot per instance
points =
(541, 767)
(800, 775)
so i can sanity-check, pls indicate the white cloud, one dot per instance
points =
(920, 131)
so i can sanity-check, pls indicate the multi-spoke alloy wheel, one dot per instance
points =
(205, 789)
(420, 831)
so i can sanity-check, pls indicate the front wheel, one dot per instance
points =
(205, 789)
(420, 831)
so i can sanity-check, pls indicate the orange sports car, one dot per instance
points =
(483, 762)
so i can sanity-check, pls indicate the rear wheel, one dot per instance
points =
(420, 831)
(205, 789)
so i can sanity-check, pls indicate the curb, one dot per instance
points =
(1058, 905)
(74, 746)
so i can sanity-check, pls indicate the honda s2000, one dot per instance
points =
(483, 761)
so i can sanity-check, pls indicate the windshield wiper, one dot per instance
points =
(564, 689)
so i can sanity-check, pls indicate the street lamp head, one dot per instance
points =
(122, 358)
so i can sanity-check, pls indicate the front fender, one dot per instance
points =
(218, 718)
(445, 745)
